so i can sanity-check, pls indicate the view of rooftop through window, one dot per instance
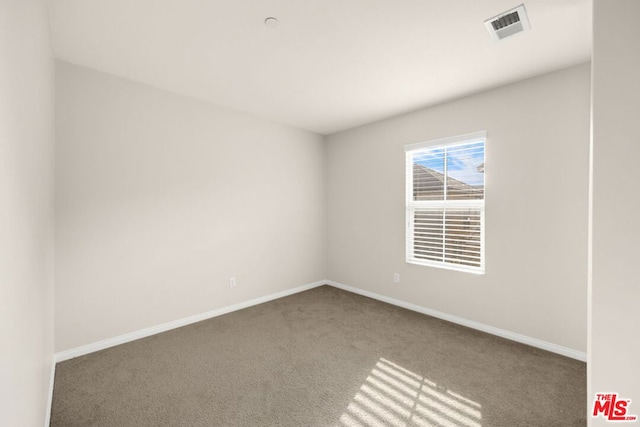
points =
(465, 165)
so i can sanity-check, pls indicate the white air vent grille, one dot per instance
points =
(508, 23)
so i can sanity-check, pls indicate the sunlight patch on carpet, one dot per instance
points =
(395, 396)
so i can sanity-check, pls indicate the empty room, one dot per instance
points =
(319, 213)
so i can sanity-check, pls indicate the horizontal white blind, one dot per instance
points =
(445, 205)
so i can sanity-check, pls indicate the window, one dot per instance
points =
(445, 203)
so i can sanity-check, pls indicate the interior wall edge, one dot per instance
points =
(47, 420)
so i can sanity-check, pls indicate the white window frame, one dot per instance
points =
(412, 204)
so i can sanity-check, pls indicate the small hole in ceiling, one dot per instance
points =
(271, 22)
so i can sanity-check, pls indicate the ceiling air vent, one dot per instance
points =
(508, 23)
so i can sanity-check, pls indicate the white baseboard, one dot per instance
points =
(47, 419)
(534, 342)
(143, 333)
(132, 336)
(111, 342)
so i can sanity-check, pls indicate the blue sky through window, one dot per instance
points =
(462, 161)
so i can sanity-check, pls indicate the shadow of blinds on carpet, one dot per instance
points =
(395, 396)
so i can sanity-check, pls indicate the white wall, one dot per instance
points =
(160, 199)
(615, 285)
(536, 208)
(26, 213)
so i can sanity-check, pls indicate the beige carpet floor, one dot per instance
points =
(323, 357)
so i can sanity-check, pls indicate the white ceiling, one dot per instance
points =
(330, 64)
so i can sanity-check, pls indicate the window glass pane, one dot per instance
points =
(465, 171)
(428, 175)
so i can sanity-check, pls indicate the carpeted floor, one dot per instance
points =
(323, 357)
